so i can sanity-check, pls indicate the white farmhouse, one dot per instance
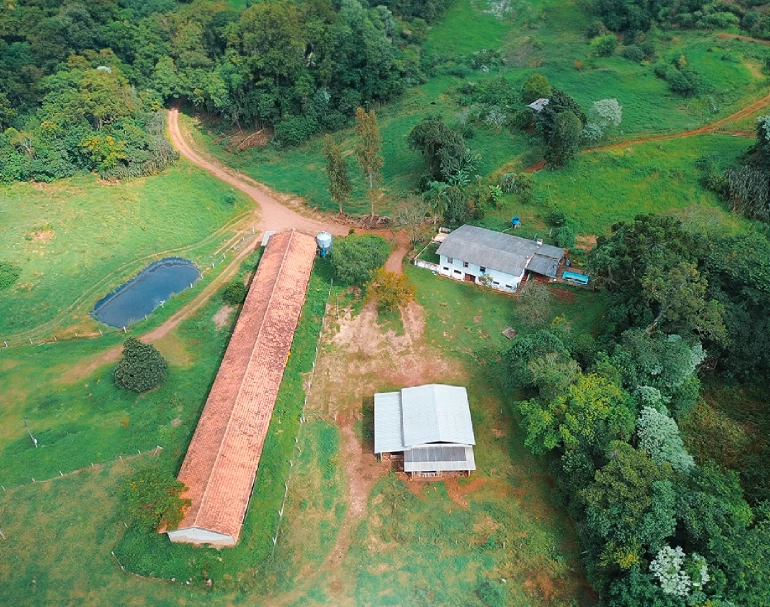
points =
(470, 253)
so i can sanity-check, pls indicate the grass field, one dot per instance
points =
(602, 188)
(502, 525)
(545, 36)
(77, 239)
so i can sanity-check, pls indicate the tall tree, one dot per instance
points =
(368, 149)
(337, 172)
(564, 142)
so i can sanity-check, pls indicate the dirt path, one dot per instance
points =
(746, 38)
(274, 214)
(704, 130)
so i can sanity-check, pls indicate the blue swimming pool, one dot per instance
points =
(153, 286)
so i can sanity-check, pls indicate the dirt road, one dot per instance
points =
(704, 130)
(274, 215)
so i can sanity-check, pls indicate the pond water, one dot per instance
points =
(145, 291)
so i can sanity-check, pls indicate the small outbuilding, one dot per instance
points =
(428, 427)
(538, 105)
(495, 259)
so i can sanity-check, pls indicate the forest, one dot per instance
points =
(81, 83)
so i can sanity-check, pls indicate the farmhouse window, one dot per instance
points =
(465, 264)
(483, 269)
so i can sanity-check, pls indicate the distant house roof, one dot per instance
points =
(434, 413)
(539, 104)
(221, 462)
(502, 252)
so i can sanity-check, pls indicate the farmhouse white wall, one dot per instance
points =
(456, 270)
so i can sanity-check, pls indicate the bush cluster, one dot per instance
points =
(142, 367)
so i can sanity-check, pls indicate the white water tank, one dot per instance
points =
(324, 240)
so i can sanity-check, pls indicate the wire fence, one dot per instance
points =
(91, 467)
(220, 256)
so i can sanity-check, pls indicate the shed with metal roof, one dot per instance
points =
(429, 426)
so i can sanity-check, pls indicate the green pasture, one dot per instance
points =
(601, 188)
(82, 420)
(511, 529)
(545, 36)
(77, 239)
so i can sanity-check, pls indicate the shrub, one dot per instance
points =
(604, 46)
(355, 257)
(578, 65)
(535, 87)
(229, 198)
(522, 119)
(648, 48)
(556, 218)
(565, 237)
(508, 183)
(9, 274)
(235, 293)
(633, 53)
(389, 290)
(294, 130)
(141, 368)
(151, 499)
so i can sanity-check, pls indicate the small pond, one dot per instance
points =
(153, 286)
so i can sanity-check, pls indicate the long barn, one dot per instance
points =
(222, 459)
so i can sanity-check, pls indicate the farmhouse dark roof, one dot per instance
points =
(222, 459)
(499, 251)
(540, 264)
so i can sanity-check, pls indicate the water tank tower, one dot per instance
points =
(324, 240)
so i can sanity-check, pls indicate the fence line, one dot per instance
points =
(297, 450)
(428, 265)
(99, 466)
(219, 258)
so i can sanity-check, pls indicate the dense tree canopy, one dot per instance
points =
(300, 66)
(355, 258)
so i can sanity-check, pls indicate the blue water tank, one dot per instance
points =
(324, 240)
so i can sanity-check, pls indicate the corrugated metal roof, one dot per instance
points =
(436, 413)
(388, 423)
(546, 266)
(495, 250)
(439, 458)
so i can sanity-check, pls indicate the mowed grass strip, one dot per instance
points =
(71, 234)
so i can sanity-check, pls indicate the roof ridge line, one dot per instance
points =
(240, 388)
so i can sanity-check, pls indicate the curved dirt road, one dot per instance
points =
(273, 214)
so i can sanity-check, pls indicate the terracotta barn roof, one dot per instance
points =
(221, 462)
